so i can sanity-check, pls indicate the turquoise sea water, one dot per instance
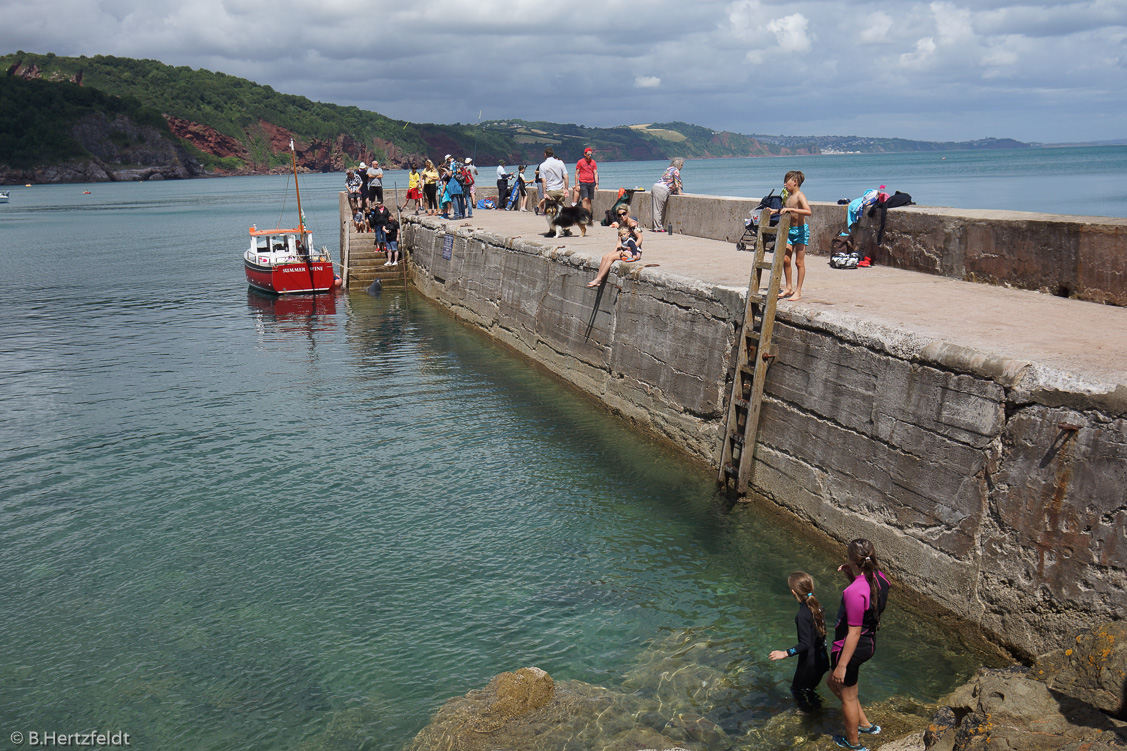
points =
(228, 521)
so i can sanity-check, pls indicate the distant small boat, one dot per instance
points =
(284, 261)
(4, 196)
(85, 192)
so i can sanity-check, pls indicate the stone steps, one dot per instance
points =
(367, 264)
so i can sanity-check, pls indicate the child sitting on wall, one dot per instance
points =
(626, 250)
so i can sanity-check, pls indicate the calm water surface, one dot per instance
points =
(226, 520)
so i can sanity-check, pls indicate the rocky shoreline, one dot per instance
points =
(1072, 699)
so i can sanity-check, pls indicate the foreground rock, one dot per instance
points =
(1093, 671)
(1065, 702)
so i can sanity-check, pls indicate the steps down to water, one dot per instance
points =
(366, 264)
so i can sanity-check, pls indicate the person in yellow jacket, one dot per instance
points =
(430, 187)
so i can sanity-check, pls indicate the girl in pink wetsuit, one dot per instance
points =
(855, 635)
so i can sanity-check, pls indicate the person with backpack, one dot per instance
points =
(452, 194)
(855, 636)
(378, 218)
(469, 185)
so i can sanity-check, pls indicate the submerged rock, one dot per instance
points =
(526, 710)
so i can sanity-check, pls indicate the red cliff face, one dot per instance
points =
(315, 155)
(207, 140)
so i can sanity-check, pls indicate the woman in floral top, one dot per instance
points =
(668, 185)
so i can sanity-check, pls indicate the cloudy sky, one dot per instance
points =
(945, 70)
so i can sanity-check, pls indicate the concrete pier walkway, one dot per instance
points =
(1086, 341)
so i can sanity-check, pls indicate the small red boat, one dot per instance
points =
(284, 261)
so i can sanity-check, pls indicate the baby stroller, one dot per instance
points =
(751, 224)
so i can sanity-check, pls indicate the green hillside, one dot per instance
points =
(37, 119)
(244, 115)
(232, 125)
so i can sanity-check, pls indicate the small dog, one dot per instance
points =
(564, 217)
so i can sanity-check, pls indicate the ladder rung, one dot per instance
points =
(732, 470)
(769, 230)
(742, 403)
(737, 439)
(751, 334)
(759, 299)
(765, 265)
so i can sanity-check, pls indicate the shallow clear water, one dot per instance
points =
(226, 519)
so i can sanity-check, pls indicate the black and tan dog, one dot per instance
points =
(564, 217)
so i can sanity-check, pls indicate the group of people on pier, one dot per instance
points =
(449, 190)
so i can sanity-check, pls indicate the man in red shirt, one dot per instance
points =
(586, 180)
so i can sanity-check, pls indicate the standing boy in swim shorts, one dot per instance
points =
(799, 235)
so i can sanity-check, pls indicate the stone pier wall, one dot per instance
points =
(1084, 258)
(992, 486)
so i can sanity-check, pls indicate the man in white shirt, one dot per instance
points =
(553, 173)
(502, 185)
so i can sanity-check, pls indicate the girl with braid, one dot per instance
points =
(855, 636)
(813, 662)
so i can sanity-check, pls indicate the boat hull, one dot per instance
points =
(291, 278)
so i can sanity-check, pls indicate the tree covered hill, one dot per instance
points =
(63, 110)
(237, 126)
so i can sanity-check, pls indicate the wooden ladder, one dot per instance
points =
(753, 357)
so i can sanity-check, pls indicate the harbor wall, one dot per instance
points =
(991, 486)
(1084, 258)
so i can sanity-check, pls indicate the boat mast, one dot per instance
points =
(300, 213)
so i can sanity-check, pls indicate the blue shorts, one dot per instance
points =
(799, 235)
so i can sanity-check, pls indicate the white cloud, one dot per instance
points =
(790, 31)
(924, 52)
(1016, 68)
(875, 28)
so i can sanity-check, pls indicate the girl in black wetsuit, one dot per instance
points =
(813, 662)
